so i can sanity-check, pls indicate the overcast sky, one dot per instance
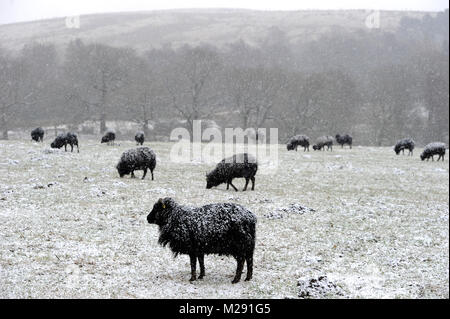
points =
(27, 10)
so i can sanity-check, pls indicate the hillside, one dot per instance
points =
(144, 30)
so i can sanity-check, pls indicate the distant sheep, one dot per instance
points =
(224, 229)
(64, 139)
(436, 148)
(37, 134)
(401, 145)
(109, 137)
(139, 138)
(344, 139)
(141, 158)
(238, 166)
(322, 142)
(297, 140)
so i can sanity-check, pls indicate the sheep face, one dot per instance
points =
(123, 169)
(104, 139)
(422, 157)
(290, 147)
(57, 143)
(159, 212)
(212, 181)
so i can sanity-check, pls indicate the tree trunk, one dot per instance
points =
(102, 123)
(145, 128)
(4, 126)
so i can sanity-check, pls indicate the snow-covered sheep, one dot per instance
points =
(139, 138)
(64, 139)
(344, 139)
(405, 143)
(37, 134)
(436, 148)
(224, 229)
(109, 137)
(322, 142)
(238, 166)
(297, 140)
(141, 158)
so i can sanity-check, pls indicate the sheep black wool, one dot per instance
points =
(436, 148)
(322, 142)
(141, 158)
(238, 166)
(344, 139)
(297, 140)
(109, 137)
(224, 229)
(405, 143)
(37, 134)
(139, 138)
(64, 140)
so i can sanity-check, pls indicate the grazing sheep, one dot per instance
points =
(322, 142)
(141, 158)
(139, 138)
(344, 139)
(37, 134)
(224, 229)
(64, 139)
(240, 165)
(436, 148)
(401, 145)
(297, 140)
(109, 137)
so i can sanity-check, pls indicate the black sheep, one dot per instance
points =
(436, 148)
(344, 139)
(139, 138)
(403, 144)
(224, 229)
(141, 158)
(109, 137)
(64, 139)
(37, 134)
(238, 166)
(322, 142)
(297, 140)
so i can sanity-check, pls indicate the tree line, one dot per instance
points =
(376, 85)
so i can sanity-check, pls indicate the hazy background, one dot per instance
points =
(27, 10)
(379, 75)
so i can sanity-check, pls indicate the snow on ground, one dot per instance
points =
(375, 224)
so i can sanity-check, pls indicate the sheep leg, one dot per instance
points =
(253, 183)
(145, 173)
(151, 171)
(246, 184)
(132, 174)
(228, 185)
(249, 260)
(71, 148)
(232, 186)
(201, 261)
(240, 266)
(193, 267)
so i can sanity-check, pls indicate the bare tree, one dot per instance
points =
(189, 84)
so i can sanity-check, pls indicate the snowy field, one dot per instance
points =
(376, 224)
